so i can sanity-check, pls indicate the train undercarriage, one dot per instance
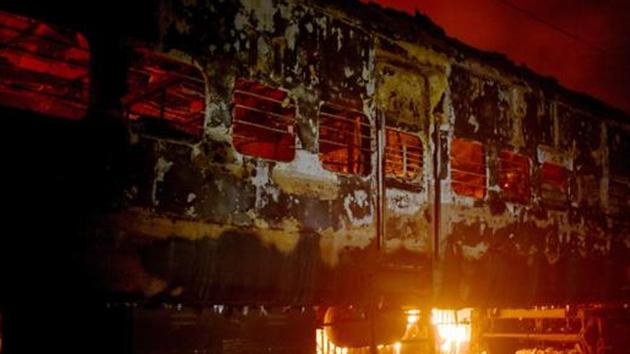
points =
(174, 328)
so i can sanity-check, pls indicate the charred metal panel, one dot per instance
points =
(201, 222)
(476, 104)
(538, 123)
(498, 251)
(221, 329)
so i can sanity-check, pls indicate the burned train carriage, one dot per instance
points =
(302, 153)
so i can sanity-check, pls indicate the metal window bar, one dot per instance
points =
(346, 135)
(352, 163)
(470, 184)
(343, 118)
(18, 36)
(153, 89)
(60, 97)
(466, 172)
(32, 22)
(350, 146)
(264, 127)
(26, 77)
(402, 163)
(408, 151)
(262, 97)
(250, 139)
(163, 72)
(289, 118)
(65, 61)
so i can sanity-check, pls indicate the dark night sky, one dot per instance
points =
(585, 44)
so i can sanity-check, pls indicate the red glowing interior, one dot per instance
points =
(264, 121)
(468, 168)
(43, 68)
(514, 176)
(166, 90)
(403, 155)
(345, 140)
(554, 182)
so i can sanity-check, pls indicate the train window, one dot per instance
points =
(554, 183)
(468, 168)
(43, 68)
(513, 176)
(264, 121)
(345, 140)
(403, 155)
(165, 92)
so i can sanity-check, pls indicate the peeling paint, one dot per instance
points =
(428, 86)
(305, 176)
(161, 168)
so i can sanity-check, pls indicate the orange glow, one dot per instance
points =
(43, 68)
(468, 168)
(453, 329)
(413, 334)
(264, 121)
(345, 140)
(403, 155)
(166, 90)
(413, 316)
(514, 176)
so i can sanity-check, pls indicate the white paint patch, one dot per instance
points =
(360, 199)
(291, 33)
(322, 22)
(263, 11)
(162, 166)
(404, 202)
(366, 73)
(307, 163)
(262, 176)
(261, 181)
(306, 171)
(348, 72)
(472, 120)
(191, 212)
(339, 34)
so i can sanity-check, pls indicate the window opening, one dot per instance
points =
(345, 140)
(264, 121)
(554, 183)
(165, 90)
(403, 155)
(468, 168)
(513, 176)
(43, 68)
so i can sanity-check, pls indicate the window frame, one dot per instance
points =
(513, 196)
(484, 165)
(564, 192)
(148, 60)
(68, 105)
(370, 168)
(416, 182)
(291, 126)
